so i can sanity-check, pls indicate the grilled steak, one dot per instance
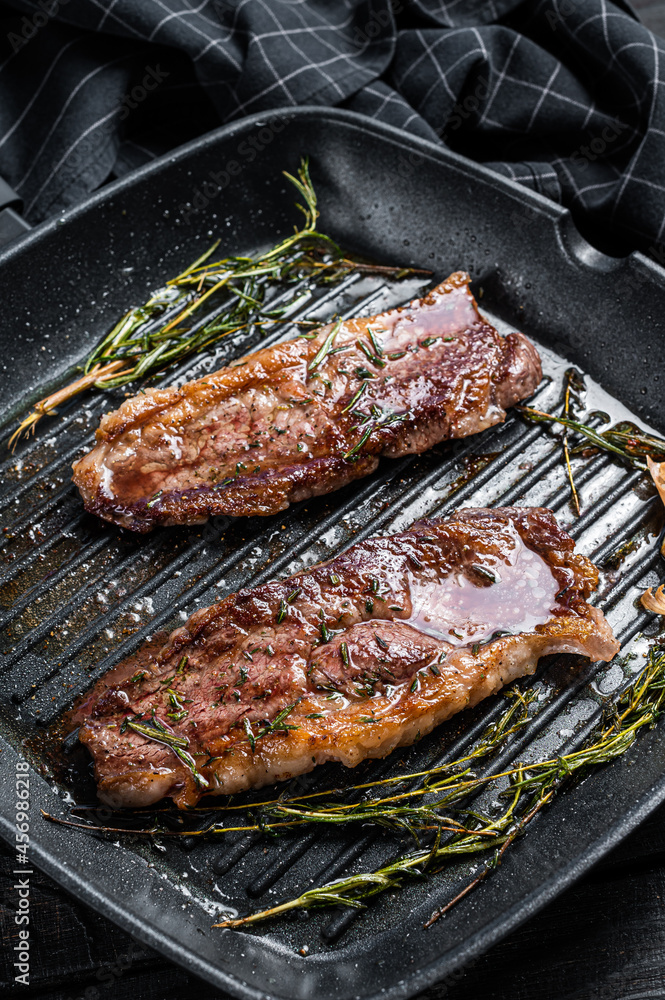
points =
(346, 661)
(307, 416)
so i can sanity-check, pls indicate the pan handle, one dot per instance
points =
(11, 224)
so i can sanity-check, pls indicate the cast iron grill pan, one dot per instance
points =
(76, 595)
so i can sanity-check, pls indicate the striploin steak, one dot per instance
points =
(307, 416)
(346, 661)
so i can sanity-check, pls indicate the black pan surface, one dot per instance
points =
(76, 595)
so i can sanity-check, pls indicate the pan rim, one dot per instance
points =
(504, 922)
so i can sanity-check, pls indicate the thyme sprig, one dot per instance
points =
(530, 788)
(394, 811)
(624, 439)
(423, 801)
(210, 300)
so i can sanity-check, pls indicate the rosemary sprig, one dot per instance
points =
(277, 725)
(211, 300)
(637, 442)
(376, 420)
(325, 348)
(624, 440)
(354, 890)
(531, 787)
(178, 744)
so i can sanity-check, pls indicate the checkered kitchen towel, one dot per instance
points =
(565, 96)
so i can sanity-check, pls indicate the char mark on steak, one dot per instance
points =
(345, 661)
(307, 416)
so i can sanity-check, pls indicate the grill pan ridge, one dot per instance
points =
(76, 595)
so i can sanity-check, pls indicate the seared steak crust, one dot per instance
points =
(363, 654)
(307, 416)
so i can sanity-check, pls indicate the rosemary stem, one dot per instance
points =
(592, 435)
(197, 263)
(274, 911)
(49, 404)
(488, 868)
(195, 305)
(149, 338)
(637, 706)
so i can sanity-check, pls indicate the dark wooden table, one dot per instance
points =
(604, 939)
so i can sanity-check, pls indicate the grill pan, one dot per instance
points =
(76, 595)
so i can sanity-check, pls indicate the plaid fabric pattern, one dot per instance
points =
(564, 96)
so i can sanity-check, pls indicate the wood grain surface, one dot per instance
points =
(604, 939)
